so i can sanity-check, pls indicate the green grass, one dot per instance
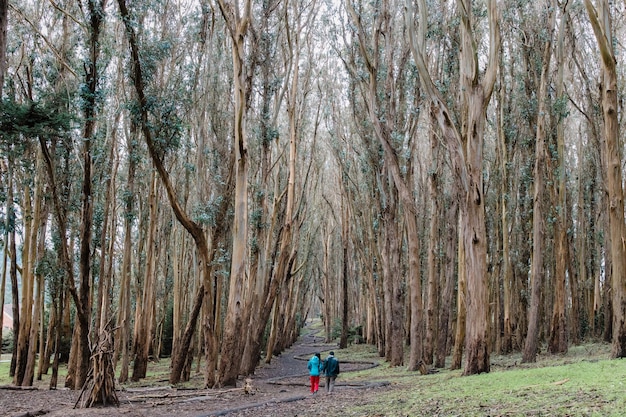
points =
(5, 379)
(5, 364)
(581, 383)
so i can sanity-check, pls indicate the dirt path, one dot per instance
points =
(277, 389)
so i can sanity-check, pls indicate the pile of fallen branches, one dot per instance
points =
(99, 389)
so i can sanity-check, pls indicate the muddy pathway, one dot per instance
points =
(287, 378)
(280, 388)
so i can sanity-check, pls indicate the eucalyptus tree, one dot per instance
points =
(384, 62)
(49, 77)
(269, 34)
(558, 327)
(95, 16)
(158, 152)
(601, 22)
(237, 17)
(539, 211)
(590, 217)
(465, 144)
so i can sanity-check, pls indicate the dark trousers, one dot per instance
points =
(330, 383)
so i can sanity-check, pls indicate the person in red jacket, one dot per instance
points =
(314, 365)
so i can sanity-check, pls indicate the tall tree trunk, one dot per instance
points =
(345, 230)
(83, 308)
(507, 270)
(28, 278)
(5, 251)
(461, 319)
(59, 300)
(13, 275)
(123, 319)
(143, 337)
(541, 163)
(383, 130)
(433, 249)
(36, 337)
(233, 324)
(558, 327)
(451, 247)
(601, 23)
(466, 150)
(106, 253)
(394, 333)
(327, 287)
(44, 360)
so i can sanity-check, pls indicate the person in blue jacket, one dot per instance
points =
(331, 370)
(314, 366)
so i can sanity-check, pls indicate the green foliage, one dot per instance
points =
(355, 333)
(31, 120)
(6, 344)
(207, 214)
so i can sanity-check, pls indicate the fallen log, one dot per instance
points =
(18, 388)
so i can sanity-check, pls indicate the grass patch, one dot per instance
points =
(582, 383)
(5, 366)
(5, 379)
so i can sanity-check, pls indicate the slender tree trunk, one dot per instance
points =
(44, 361)
(558, 327)
(5, 250)
(327, 287)
(14, 288)
(395, 317)
(541, 162)
(537, 274)
(383, 130)
(31, 215)
(36, 337)
(345, 230)
(196, 232)
(507, 270)
(143, 337)
(451, 245)
(461, 319)
(433, 248)
(123, 319)
(59, 300)
(104, 283)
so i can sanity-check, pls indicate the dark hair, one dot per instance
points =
(332, 353)
(317, 354)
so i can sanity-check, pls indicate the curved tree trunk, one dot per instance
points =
(196, 232)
